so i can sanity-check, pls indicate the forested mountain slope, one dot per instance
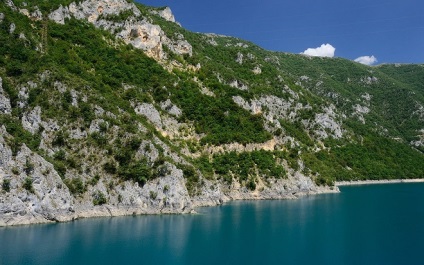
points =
(110, 107)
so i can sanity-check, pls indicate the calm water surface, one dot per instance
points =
(375, 224)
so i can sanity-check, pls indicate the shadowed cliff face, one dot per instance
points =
(111, 108)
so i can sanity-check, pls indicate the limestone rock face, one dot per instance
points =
(35, 15)
(239, 58)
(169, 107)
(327, 120)
(239, 85)
(134, 30)
(419, 142)
(145, 36)
(5, 107)
(149, 111)
(10, 4)
(257, 70)
(166, 14)
(92, 9)
(360, 111)
(49, 198)
(12, 28)
(31, 120)
(60, 14)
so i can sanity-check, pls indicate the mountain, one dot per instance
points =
(110, 107)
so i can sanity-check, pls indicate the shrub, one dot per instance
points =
(110, 167)
(59, 140)
(15, 170)
(153, 195)
(29, 167)
(98, 138)
(139, 173)
(99, 198)
(6, 185)
(193, 182)
(94, 180)
(28, 184)
(76, 186)
(251, 185)
(60, 155)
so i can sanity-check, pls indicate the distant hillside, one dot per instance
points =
(109, 107)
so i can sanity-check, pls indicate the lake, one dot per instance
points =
(370, 224)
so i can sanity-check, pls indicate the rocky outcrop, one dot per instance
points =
(5, 107)
(35, 15)
(323, 124)
(166, 14)
(420, 141)
(31, 120)
(359, 111)
(44, 199)
(48, 199)
(257, 70)
(60, 14)
(91, 10)
(11, 5)
(133, 29)
(327, 124)
(12, 28)
(238, 84)
(151, 113)
(169, 107)
(239, 58)
(369, 80)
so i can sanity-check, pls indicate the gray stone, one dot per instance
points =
(51, 197)
(166, 14)
(327, 120)
(5, 107)
(239, 85)
(31, 120)
(239, 58)
(11, 5)
(147, 150)
(59, 15)
(151, 113)
(36, 15)
(257, 70)
(169, 107)
(95, 125)
(12, 28)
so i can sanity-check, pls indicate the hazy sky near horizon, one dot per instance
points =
(389, 31)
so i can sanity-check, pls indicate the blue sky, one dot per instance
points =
(390, 30)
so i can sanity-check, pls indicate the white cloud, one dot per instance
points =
(325, 50)
(367, 60)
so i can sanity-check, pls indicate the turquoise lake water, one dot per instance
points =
(373, 224)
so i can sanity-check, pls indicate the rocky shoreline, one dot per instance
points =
(125, 210)
(369, 182)
(190, 207)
